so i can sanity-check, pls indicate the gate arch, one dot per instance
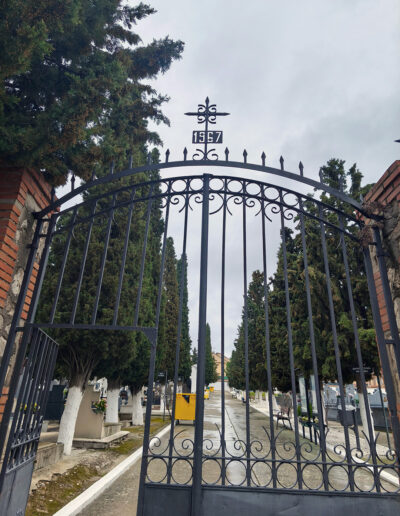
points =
(213, 195)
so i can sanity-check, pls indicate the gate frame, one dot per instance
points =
(48, 216)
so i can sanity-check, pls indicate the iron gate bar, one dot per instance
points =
(207, 163)
(372, 440)
(290, 342)
(63, 264)
(34, 385)
(321, 421)
(394, 330)
(178, 342)
(146, 439)
(146, 234)
(246, 344)
(268, 349)
(16, 319)
(124, 254)
(223, 250)
(229, 179)
(336, 347)
(198, 432)
(82, 266)
(103, 259)
(383, 355)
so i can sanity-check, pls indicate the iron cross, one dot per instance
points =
(206, 114)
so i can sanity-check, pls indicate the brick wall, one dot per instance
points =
(386, 195)
(22, 192)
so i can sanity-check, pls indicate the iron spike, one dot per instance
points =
(148, 160)
(245, 155)
(93, 176)
(361, 198)
(226, 154)
(301, 168)
(263, 156)
(73, 182)
(341, 183)
(320, 175)
(281, 161)
(53, 194)
(130, 163)
(112, 167)
(185, 151)
(167, 156)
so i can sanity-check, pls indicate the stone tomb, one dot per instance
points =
(91, 431)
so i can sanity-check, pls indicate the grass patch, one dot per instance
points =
(50, 496)
(134, 441)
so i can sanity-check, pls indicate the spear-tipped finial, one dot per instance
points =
(167, 156)
(301, 168)
(93, 175)
(341, 183)
(53, 194)
(361, 198)
(185, 151)
(73, 182)
(320, 175)
(112, 167)
(148, 161)
(130, 162)
(245, 155)
(263, 156)
(226, 154)
(282, 162)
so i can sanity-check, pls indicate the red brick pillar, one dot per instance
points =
(384, 198)
(22, 192)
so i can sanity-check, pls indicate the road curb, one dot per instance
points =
(88, 496)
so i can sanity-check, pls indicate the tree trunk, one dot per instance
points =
(137, 410)
(364, 406)
(324, 409)
(68, 419)
(112, 404)
(162, 398)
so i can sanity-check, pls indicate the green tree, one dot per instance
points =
(185, 364)
(74, 84)
(170, 312)
(335, 175)
(211, 375)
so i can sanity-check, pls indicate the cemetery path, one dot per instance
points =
(121, 498)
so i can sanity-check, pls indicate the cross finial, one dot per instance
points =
(206, 114)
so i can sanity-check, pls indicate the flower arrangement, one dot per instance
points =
(99, 407)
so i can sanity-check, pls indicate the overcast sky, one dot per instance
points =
(309, 80)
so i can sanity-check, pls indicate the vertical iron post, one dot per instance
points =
(198, 433)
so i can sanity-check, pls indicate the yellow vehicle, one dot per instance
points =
(211, 389)
(185, 406)
(206, 394)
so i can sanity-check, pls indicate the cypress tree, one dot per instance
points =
(185, 366)
(211, 375)
(74, 92)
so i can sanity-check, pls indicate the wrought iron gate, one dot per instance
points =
(210, 471)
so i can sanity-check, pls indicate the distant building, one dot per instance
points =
(218, 359)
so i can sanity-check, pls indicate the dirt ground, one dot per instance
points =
(54, 486)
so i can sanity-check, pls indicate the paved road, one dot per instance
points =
(121, 498)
